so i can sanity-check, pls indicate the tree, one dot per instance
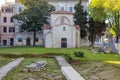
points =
(81, 18)
(34, 16)
(107, 9)
(96, 30)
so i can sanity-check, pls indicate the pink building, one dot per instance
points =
(7, 25)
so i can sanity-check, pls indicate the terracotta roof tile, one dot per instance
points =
(47, 26)
(77, 27)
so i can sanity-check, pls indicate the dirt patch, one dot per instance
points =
(98, 71)
(50, 72)
(43, 55)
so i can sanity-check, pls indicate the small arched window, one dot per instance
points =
(62, 20)
(62, 8)
(64, 28)
(70, 9)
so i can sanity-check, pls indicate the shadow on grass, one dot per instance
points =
(44, 55)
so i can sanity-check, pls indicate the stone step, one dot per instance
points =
(5, 69)
(67, 70)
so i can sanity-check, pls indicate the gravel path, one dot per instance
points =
(5, 69)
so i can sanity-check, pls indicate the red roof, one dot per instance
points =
(47, 26)
(77, 27)
(61, 12)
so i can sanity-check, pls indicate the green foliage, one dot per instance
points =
(69, 59)
(4, 61)
(81, 18)
(68, 51)
(34, 15)
(96, 30)
(106, 9)
(79, 54)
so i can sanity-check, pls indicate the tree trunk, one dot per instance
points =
(92, 40)
(34, 37)
(117, 38)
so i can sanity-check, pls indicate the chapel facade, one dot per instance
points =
(62, 32)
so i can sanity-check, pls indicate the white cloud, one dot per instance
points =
(2, 2)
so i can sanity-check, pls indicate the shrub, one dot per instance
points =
(79, 54)
(69, 59)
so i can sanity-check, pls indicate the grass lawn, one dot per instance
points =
(41, 50)
(98, 66)
(4, 61)
(34, 50)
(50, 72)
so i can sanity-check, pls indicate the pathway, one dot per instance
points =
(67, 70)
(5, 69)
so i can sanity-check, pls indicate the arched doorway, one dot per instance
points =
(11, 41)
(4, 42)
(28, 41)
(64, 43)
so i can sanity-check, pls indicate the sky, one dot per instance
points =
(2, 1)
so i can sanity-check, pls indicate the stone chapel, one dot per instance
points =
(62, 32)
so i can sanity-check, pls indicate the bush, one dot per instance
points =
(79, 54)
(69, 59)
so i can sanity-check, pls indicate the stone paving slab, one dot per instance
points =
(61, 61)
(5, 69)
(67, 70)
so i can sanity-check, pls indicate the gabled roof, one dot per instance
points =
(61, 12)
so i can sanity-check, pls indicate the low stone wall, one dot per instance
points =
(5, 69)
(67, 70)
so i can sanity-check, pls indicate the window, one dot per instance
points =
(62, 8)
(62, 20)
(19, 39)
(7, 10)
(64, 28)
(4, 42)
(4, 19)
(11, 19)
(70, 9)
(36, 40)
(20, 9)
(4, 29)
(107, 36)
(11, 29)
(2, 10)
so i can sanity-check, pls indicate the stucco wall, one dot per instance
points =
(58, 33)
(26, 35)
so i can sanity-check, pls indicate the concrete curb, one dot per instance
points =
(5, 69)
(67, 70)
